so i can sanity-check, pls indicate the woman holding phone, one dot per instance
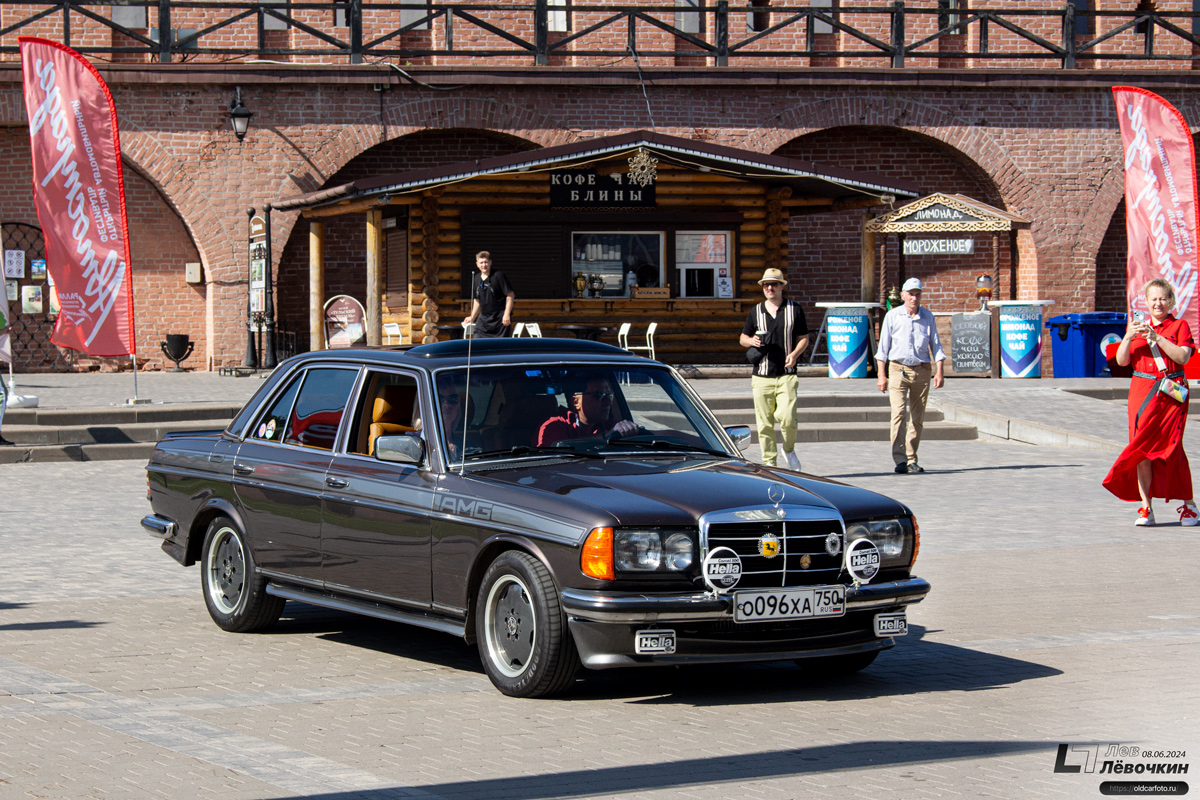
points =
(1153, 464)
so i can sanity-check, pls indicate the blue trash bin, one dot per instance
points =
(1076, 342)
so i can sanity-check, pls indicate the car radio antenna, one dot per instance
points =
(469, 332)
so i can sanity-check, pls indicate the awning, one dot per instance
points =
(804, 177)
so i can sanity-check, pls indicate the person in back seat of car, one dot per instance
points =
(592, 415)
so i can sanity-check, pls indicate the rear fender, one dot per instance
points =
(214, 507)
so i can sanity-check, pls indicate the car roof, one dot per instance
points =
(483, 352)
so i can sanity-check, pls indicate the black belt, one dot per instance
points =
(1150, 376)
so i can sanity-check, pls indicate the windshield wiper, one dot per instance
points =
(667, 444)
(524, 450)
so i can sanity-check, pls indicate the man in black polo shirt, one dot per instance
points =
(776, 327)
(493, 301)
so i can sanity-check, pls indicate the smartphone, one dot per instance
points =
(1139, 316)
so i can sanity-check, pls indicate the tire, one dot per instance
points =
(521, 630)
(837, 666)
(236, 597)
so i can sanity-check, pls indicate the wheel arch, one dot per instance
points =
(492, 549)
(213, 508)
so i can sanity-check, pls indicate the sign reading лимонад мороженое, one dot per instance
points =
(939, 247)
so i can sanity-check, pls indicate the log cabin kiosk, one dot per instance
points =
(639, 227)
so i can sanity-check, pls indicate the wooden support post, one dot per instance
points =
(869, 288)
(374, 302)
(316, 286)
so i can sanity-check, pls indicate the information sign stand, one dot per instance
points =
(849, 338)
(1020, 337)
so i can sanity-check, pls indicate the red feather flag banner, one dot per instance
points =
(79, 191)
(1160, 199)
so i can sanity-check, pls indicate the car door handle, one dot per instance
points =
(242, 469)
(336, 483)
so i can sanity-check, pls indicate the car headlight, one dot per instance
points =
(607, 551)
(893, 537)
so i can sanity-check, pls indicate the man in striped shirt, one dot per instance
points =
(777, 330)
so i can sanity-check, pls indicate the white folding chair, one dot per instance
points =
(623, 336)
(392, 330)
(649, 346)
(518, 329)
(533, 329)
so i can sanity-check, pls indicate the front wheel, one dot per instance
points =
(521, 631)
(236, 598)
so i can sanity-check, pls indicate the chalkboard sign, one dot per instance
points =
(971, 342)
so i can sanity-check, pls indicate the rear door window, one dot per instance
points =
(320, 406)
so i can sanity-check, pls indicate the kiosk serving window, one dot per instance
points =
(607, 264)
(702, 263)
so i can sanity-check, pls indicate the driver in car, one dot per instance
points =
(592, 415)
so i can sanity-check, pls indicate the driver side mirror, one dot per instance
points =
(740, 435)
(401, 449)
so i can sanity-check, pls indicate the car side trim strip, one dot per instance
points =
(367, 609)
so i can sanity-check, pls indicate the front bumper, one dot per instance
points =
(605, 626)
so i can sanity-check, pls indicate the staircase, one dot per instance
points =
(850, 417)
(102, 434)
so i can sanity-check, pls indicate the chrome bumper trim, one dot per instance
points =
(640, 608)
(158, 526)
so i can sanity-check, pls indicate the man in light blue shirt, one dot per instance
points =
(909, 352)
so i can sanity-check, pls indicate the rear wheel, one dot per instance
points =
(236, 598)
(521, 631)
(836, 666)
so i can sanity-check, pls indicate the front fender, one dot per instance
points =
(492, 547)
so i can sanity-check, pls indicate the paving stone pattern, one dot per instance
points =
(1052, 619)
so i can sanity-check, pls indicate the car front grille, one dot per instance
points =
(798, 539)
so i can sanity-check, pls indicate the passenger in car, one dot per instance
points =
(450, 406)
(592, 415)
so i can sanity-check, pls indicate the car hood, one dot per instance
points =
(677, 490)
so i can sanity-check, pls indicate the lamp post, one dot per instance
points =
(268, 357)
(239, 115)
(251, 350)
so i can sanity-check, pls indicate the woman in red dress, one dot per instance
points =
(1153, 464)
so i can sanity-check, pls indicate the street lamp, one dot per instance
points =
(239, 115)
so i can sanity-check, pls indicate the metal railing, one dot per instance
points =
(721, 34)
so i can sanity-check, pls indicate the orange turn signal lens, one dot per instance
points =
(597, 558)
(916, 541)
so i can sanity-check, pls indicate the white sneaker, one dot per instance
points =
(1188, 514)
(1146, 517)
(794, 463)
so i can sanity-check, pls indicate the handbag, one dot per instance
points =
(754, 354)
(1173, 390)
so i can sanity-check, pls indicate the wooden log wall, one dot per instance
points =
(689, 330)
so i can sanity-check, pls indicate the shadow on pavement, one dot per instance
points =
(935, 471)
(61, 624)
(707, 772)
(914, 666)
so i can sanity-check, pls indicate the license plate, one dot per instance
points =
(655, 642)
(895, 624)
(766, 605)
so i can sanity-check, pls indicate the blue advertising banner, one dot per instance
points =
(1021, 341)
(847, 333)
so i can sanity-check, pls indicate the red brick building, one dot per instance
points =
(1021, 121)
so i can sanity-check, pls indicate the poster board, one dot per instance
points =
(971, 342)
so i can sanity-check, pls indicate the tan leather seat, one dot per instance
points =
(391, 414)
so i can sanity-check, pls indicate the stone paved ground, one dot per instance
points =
(1052, 620)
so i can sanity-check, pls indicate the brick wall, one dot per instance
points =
(825, 250)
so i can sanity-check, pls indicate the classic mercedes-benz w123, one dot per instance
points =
(556, 502)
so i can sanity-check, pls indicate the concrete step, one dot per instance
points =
(745, 416)
(45, 434)
(121, 415)
(872, 432)
(75, 452)
(845, 400)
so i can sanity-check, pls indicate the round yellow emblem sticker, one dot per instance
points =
(769, 545)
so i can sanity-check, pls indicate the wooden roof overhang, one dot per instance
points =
(947, 213)
(813, 187)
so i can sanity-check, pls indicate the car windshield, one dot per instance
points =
(571, 411)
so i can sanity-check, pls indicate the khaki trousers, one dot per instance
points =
(908, 391)
(775, 401)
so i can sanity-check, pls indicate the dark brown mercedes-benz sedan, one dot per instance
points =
(556, 502)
